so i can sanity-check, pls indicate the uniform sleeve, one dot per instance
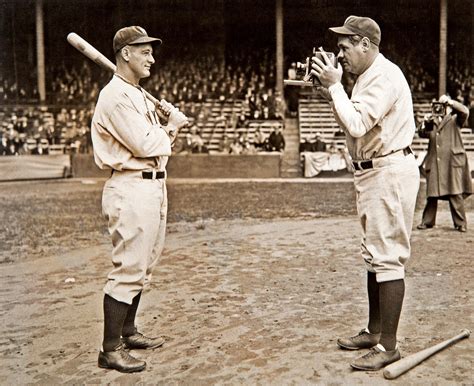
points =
(367, 108)
(139, 136)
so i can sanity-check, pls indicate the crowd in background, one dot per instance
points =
(36, 130)
(188, 83)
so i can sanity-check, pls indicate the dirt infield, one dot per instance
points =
(257, 281)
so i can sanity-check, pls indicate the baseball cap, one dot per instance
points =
(132, 35)
(363, 26)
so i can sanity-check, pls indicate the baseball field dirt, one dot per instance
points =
(257, 281)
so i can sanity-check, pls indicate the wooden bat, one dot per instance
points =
(403, 365)
(96, 56)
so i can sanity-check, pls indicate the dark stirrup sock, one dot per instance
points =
(114, 316)
(129, 324)
(391, 300)
(374, 304)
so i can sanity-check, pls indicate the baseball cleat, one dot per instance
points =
(376, 359)
(364, 339)
(140, 341)
(120, 360)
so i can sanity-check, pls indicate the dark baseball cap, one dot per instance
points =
(363, 26)
(132, 35)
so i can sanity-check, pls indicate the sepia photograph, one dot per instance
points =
(236, 192)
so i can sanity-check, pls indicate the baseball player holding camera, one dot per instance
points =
(379, 125)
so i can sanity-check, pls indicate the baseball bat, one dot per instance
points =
(97, 57)
(403, 365)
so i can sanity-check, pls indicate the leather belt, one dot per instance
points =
(363, 165)
(368, 164)
(153, 175)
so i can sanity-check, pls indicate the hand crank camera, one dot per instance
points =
(303, 70)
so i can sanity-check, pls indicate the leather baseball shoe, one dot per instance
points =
(424, 226)
(461, 228)
(140, 341)
(120, 360)
(376, 359)
(364, 339)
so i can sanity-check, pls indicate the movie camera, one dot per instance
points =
(304, 78)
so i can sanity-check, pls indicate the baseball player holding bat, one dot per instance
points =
(132, 138)
(379, 125)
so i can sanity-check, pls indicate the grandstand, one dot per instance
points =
(315, 116)
(231, 69)
(222, 121)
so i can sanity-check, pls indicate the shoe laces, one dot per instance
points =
(361, 332)
(373, 352)
(136, 334)
(125, 354)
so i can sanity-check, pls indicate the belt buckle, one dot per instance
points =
(357, 165)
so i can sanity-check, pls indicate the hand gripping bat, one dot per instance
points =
(403, 365)
(92, 53)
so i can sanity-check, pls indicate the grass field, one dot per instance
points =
(55, 216)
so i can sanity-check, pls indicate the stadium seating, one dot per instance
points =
(222, 120)
(315, 116)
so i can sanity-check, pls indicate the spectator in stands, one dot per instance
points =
(248, 148)
(448, 176)
(306, 146)
(236, 147)
(3, 144)
(197, 142)
(225, 144)
(276, 140)
(22, 145)
(41, 147)
(12, 140)
(187, 144)
(259, 139)
(242, 136)
(318, 144)
(336, 160)
(242, 121)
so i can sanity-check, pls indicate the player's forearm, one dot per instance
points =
(156, 143)
(348, 117)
